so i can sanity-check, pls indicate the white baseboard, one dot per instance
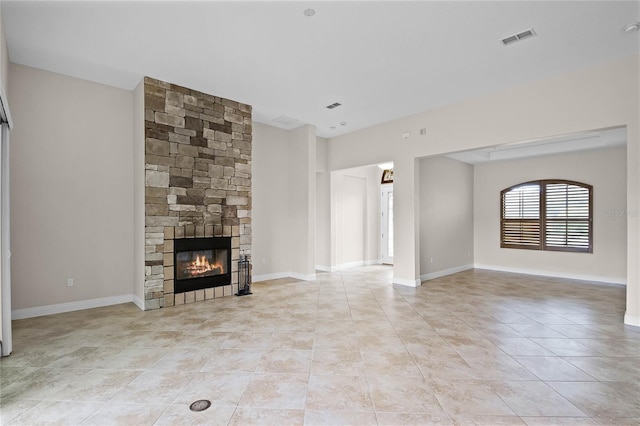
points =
(303, 277)
(267, 277)
(312, 277)
(445, 272)
(278, 275)
(138, 302)
(348, 265)
(59, 308)
(631, 319)
(408, 283)
(572, 276)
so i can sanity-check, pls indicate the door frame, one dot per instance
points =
(6, 344)
(385, 190)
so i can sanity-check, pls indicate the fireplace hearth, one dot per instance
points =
(201, 263)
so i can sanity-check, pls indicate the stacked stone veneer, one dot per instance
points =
(197, 182)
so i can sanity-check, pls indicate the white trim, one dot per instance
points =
(569, 275)
(278, 275)
(631, 319)
(444, 272)
(348, 265)
(304, 277)
(5, 240)
(138, 302)
(408, 283)
(267, 277)
(39, 311)
(383, 229)
(4, 105)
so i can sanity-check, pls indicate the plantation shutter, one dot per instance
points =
(551, 215)
(521, 217)
(567, 216)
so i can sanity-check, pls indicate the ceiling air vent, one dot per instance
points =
(284, 120)
(333, 105)
(517, 37)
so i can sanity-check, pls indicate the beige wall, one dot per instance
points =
(4, 57)
(323, 207)
(604, 169)
(283, 206)
(302, 201)
(71, 187)
(353, 213)
(322, 154)
(446, 216)
(323, 221)
(595, 98)
(270, 198)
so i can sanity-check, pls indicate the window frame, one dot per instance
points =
(543, 219)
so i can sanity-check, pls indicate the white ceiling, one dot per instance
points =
(380, 60)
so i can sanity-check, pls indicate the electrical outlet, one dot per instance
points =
(70, 282)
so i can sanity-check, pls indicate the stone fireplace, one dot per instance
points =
(197, 190)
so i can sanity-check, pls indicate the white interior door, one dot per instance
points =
(386, 224)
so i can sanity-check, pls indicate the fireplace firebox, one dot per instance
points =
(201, 263)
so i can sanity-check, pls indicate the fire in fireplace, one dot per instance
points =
(201, 263)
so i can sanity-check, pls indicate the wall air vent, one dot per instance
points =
(284, 120)
(333, 105)
(517, 37)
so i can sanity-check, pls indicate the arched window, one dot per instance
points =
(554, 215)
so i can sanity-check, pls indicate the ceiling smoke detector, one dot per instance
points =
(309, 12)
(520, 36)
(333, 105)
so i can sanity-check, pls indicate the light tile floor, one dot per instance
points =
(477, 347)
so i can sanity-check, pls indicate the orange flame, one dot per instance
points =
(201, 266)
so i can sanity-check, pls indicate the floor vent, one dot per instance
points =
(200, 405)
